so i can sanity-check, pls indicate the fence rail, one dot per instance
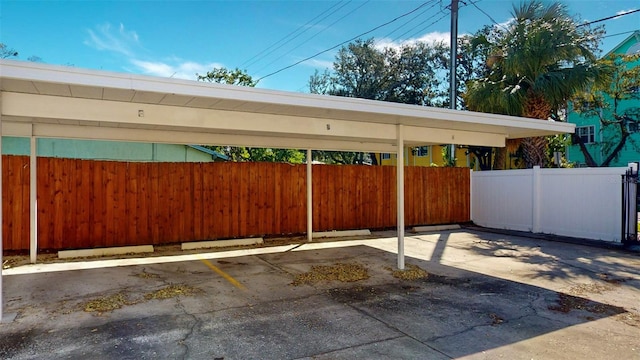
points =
(85, 203)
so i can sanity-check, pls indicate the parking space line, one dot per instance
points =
(226, 276)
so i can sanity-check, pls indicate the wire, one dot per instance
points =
(622, 33)
(250, 62)
(435, 2)
(313, 36)
(424, 28)
(610, 17)
(474, 3)
(344, 42)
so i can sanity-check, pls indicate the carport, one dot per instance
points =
(45, 101)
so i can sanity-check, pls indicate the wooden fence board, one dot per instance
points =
(84, 204)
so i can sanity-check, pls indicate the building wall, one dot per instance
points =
(104, 150)
(432, 156)
(630, 152)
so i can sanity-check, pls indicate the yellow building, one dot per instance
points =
(426, 156)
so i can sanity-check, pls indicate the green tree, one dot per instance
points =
(611, 101)
(240, 153)
(226, 76)
(536, 64)
(409, 74)
(472, 64)
(7, 52)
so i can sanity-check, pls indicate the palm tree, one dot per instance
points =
(536, 64)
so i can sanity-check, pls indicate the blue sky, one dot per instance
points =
(181, 38)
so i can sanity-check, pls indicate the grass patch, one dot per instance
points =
(412, 272)
(172, 291)
(337, 272)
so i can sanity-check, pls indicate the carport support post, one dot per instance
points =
(1, 300)
(33, 201)
(309, 196)
(400, 195)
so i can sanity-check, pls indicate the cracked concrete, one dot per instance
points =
(487, 296)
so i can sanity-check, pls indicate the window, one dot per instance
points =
(386, 156)
(422, 151)
(587, 133)
(634, 49)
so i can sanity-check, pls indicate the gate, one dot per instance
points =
(630, 205)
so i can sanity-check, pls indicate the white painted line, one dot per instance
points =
(328, 234)
(220, 243)
(436, 228)
(97, 264)
(66, 254)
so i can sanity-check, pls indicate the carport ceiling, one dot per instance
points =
(61, 102)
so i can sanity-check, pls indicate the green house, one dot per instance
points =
(111, 150)
(595, 136)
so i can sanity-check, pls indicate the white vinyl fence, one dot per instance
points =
(584, 203)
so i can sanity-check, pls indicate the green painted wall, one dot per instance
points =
(104, 150)
(629, 153)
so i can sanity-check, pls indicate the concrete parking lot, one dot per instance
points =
(486, 296)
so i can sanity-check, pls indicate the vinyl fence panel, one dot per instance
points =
(583, 203)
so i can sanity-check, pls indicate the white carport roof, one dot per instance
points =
(39, 100)
(63, 102)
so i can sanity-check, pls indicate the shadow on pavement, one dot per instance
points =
(452, 313)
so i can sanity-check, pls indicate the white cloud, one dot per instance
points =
(315, 63)
(126, 43)
(623, 12)
(506, 24)
(119, 41)
(429, 38)
(176, 68)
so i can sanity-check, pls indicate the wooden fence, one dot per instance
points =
(85, 204)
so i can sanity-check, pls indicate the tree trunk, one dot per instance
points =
(374, 159)
(534, 151)
(585, 152)
(500, 158)
(616, 150)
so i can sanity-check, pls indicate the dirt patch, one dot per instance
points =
(412, 272)
(119, 300)
(629, 318)
(611, 279)
(146, 275)
(495, 319)
(343, 272)
(172, 291)
(106, 303)
(565, 303)
(593, 288)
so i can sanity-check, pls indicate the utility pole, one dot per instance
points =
(454, 54)
(454, 64)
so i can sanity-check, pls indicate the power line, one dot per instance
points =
(313, 36)
(444, 14)
(344, 42)
(305, 29)
(435, 2)
(610, 17)
(424, 28)
(474, 3)
(622, 33)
